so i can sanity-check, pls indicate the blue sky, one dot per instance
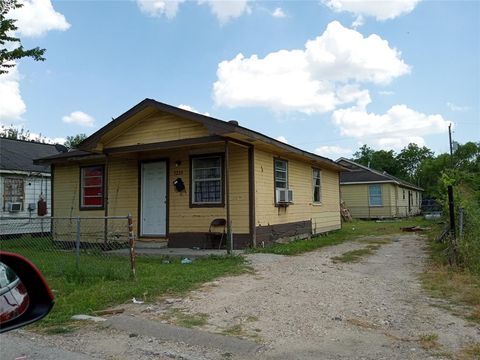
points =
(326, 76)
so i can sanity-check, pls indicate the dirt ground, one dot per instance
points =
(304, 307)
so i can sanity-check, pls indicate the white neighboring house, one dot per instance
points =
(23, 185)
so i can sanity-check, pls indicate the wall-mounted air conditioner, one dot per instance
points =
(14, 206)
(284, 196)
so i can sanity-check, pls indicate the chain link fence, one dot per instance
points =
(73, 246)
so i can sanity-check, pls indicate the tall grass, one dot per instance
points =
(468, 198)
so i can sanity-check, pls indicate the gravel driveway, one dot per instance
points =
(305, 307)
(308, 307)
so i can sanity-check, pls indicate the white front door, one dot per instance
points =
(154, 199)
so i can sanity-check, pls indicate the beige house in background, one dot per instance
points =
(369, 193)
(175, 171)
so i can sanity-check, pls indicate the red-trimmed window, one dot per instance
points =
(91, 189)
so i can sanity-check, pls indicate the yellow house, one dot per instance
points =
(176, 171)
(369, 193)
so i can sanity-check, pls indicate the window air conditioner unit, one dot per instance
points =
(284, 196)
(14, 206)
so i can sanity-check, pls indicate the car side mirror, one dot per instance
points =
(24, 294)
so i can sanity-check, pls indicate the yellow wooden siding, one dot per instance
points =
(122, 191)
(356, 198)
(300, 181)
(66, 192)
(157, 128)
(197, 219)
(239, 189)
(403, 203)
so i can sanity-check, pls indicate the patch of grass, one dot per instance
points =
(190, 320)
(56, 330)
(252, 318)
(458, 286)
(235, 330)
(102, 282)
(349, 231)
(428, 341)
(470, 352)
(353, 256)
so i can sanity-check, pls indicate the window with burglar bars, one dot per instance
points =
(316, 186)
(207, 180)
(13, 191)
(375, 195)
(91, 189)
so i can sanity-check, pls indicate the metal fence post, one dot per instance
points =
(460, 222)
(77, 244)
(451, 210)
(131, 243)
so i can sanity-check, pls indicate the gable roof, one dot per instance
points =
(359, 173)
(19, 155)
(216, 127)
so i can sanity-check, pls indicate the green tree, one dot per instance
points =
(11, 132)
(429, 173)
(467, 157)
(73, 141)
(11, 47)
(15, 133)
(363, 155)
(380, 160)
(410, 159)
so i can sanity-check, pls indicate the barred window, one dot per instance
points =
(375, 195)
(207, 180)
(91, 189)
(13, 191)
(317, 186)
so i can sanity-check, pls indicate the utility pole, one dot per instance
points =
(450, 141)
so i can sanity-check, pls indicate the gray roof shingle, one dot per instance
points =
(19, 155)
(359, 173)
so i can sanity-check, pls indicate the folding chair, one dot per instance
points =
(212, 235)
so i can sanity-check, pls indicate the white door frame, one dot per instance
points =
(140, 205)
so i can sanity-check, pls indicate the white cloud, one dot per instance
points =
(316, 79)
(359, 21)
(282, 139)
(11, 105)
(46, 139)
(226, 10)
(380, 9)
(36, 17)
(79, 118)
(333, 152)
(157, 8)
(192, 109)
(279, 13)
(455, 107)
(398, 127)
